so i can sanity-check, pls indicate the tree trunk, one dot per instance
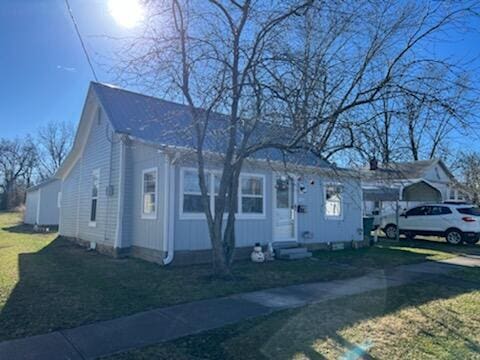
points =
(220, 265)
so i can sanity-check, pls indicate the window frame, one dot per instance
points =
(95, 172)
(452, 194)
(192, 215)
(210, 174)
(247, 215)
(152, 216)
(333, 217)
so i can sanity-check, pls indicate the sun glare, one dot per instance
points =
(127, 13)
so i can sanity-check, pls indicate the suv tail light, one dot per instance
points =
(468, 219)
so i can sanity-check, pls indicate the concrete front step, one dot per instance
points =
(284, 244)
(295, 256)
(296, 250)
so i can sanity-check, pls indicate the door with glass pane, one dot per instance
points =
(283, 209)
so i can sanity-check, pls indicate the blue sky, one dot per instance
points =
(44, 74)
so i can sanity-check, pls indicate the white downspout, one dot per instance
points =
(79, 186)
(37, 216)
(60, 228)
(169, 211)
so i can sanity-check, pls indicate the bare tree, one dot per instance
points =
(381, 135)
(54, 142)
(469, 168)
(286, 75)
(18, 158)
(421, 115)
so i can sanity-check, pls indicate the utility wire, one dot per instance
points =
(81, 40)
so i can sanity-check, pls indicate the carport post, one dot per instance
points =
(397, 210)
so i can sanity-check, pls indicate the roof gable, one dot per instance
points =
(87, 117)
(404, 171)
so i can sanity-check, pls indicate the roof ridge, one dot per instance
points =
(118, 88)
(412, 162)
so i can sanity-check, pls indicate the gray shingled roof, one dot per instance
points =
(41, 184)
(398, 171)
(167, 123)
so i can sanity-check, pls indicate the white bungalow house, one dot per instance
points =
(42, 203)
(129, 187)
(425, 181)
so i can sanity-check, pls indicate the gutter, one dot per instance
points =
(37, 215)
(169, 207)
(327, 171)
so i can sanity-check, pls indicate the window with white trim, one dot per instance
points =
(192, 196)
(333, 201)
(250, 200)
(149, 193)
(451, 195)
(251, 194)
(94, 197)
(216, 189)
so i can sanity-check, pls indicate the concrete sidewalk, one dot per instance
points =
(164, 324)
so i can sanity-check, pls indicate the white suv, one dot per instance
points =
(457, 223)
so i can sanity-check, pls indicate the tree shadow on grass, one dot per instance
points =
(436, 244)
(29, 229)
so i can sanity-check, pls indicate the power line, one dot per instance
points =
(81, 40)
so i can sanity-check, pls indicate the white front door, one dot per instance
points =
(283, 209)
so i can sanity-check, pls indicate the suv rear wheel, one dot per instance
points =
(454, 236)
(390, 231)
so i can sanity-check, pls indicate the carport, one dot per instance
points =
(421, 191)
(385, 194)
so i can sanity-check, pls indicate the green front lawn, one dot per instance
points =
(48, 284)
(418, 321)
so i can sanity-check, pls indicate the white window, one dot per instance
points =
(333, 201)
(452, 194)
(250, 201)
(149, 193)
(251, 194)
(192, 196)
(216, 189)
(99, 116)
(94, 197)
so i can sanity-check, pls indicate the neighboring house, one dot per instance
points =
(130, 187)
(425, 181)
(42, 203)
